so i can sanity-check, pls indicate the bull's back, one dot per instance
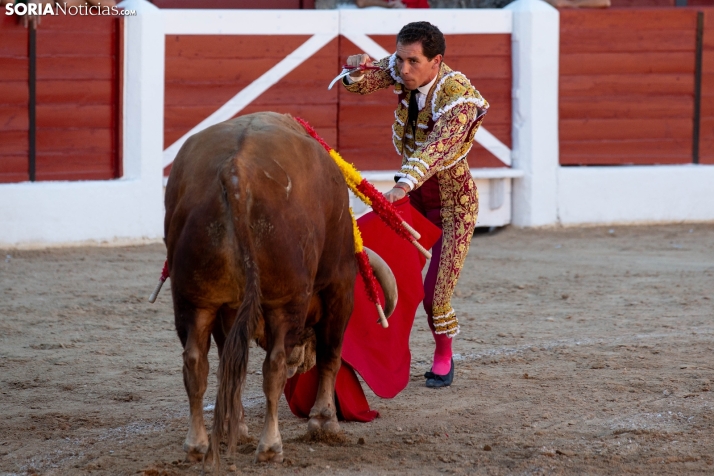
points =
(262, 168)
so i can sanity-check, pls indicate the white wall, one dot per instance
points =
(535, 55)
(635, 194)
(130, 208)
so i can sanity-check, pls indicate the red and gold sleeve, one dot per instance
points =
(373, 80)
(447, 143)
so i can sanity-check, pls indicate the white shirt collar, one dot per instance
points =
(425, 89)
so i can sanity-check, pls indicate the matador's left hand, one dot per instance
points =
(395, 194)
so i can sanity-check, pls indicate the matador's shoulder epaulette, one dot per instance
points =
(452, 89)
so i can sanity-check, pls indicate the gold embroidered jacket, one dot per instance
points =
(446, 126)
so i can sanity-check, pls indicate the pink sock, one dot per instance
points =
(442, 353)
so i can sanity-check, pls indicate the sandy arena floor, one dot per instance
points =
(583, 351)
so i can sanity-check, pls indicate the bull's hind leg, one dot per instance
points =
(338, 303)
(194, 329)
(279, 323)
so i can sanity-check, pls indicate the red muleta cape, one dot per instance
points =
(380, 356)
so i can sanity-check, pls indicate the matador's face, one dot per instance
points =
(414, 68)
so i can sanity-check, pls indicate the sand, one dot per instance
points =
(582, 351)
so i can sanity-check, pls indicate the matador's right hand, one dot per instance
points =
(356, 60)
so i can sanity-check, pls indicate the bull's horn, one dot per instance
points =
(386, 280)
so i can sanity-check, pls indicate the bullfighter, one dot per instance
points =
(437, 116)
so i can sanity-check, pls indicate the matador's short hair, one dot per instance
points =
(431, 38)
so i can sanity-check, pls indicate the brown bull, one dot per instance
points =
(260, 245)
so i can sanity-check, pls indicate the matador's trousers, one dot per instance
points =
(449, 199)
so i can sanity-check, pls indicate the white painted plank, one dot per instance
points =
(449, 21)
(250, 22)
(493, 145)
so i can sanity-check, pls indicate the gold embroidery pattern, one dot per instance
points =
(444, 135)
(459, 212)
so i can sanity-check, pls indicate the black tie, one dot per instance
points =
(413, 110)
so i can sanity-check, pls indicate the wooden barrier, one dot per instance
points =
(627, 86)
(78, 78)
(706, 124)
(205, 71)
(14, 122)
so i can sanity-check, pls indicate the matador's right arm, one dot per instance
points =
(372, 80)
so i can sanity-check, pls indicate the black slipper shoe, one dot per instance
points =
(429, 374)
(439, 381)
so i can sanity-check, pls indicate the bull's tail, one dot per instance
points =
(234, 359)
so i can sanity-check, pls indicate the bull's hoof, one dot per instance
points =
(194, 456)
(274, 454)
(323, 421)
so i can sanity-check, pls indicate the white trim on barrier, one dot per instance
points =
(253, 90)
(450, 21)
(250, 22)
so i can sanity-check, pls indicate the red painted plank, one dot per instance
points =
(13, 168)
(625, 160)
(481, 45)
(627, 63)
(13, 143)
(626, 107)
(209, 71)
(320, 116)
(185, 117)
(75, 166)
(14, 118)
(708, 61)
(13, 101)
(656, 148)
(609, 84)
(74, 116)
(13, 69)
(639, 19)
(369, 135)
(623, 129)
(14, 93)
(632, 40)
(707, 106)
(485, 67)
(84, 23)
(13, 40)
(643, 3)
(237, 69)
(232, 46)
(73, 42)
(79, 92)
(70, 67)
(70, 141)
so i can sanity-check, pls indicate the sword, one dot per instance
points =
(346, 69)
